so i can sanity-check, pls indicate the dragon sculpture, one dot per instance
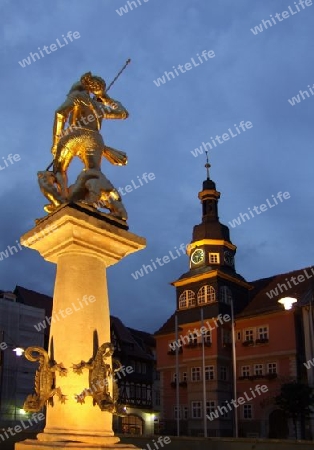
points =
(44, 380)
(99, 374)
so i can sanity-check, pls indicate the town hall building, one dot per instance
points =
(231, 340)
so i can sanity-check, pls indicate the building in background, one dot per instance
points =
(139, 389)
(17, 329)
(270, 343)
(36, 300)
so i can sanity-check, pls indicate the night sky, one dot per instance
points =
(250, 78)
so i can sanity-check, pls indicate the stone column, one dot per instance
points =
(82, 243)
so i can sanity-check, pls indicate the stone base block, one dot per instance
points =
(34, 444)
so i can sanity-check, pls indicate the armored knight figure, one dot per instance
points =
(76, 132)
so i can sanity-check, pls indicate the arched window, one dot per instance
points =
(206, 294)
(186, 299)
(225, 295)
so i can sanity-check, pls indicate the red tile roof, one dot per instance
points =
(260, 302)
(267, 291)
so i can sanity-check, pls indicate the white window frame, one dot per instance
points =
(271, 366)
(196, 406)
(251, 331)
(214, 258)
(210, 407)
(196, 374)
(208, 337)
(263, 332)
(206, 294)
(247, 407)
(193, 338)
(209, 373)
(245, 371)
(258, 369)
(187, 299)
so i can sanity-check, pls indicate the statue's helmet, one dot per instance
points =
(92, 83)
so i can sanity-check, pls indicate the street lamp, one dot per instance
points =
(287, 302)
(18, 351)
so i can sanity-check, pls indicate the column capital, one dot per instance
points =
(79, 229)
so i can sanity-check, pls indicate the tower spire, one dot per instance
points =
(207, 165)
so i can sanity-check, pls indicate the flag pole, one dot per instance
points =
(234, 363)
(177, 376)
(203, 376)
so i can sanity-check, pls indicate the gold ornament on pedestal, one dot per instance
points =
(44, 380)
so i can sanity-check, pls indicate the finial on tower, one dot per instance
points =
(207, 165)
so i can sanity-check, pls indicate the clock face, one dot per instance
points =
(229, 258)
(197, 256)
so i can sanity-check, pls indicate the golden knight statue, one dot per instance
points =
(76, 132)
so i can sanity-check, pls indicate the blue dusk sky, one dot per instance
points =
(224, 71)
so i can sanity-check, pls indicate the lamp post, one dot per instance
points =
(287, 303)
(203, 377)
(177, 376)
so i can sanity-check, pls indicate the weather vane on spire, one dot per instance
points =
(207, 165)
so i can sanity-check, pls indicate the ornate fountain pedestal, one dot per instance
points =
(83, 243)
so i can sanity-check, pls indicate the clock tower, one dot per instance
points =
(195, 345)
(212, 279)
(211, 245)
